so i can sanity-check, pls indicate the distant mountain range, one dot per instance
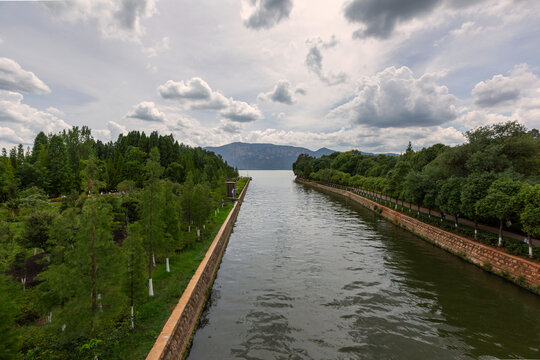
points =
(263, 156)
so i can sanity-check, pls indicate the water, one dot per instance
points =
(308, 276)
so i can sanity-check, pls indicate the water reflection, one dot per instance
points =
(309, 276)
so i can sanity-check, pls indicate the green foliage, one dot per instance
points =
(36, 228)
(9, 310)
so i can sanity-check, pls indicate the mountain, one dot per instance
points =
(263, 156)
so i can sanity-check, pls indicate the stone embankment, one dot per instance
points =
(519, 270)
(176, 334)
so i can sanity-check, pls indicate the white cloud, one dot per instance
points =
(160, 47)
(196, 94)
(241, 112)
(146, 111)
(395, 98)
(503, 90)
(15, 78)
(111, 133)
(25, 121)
(114, 18)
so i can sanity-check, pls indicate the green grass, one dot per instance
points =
(152, 315)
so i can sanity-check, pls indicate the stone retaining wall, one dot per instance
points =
(176, 334)
(522, 271)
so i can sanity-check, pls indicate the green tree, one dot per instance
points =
(57, 166)
(474, 188)
(171, 215)
(499, 202)
(449, 198)
(150, 208)
(36, 229)
(527, 202)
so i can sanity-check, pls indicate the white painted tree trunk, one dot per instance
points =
(153, 259)
(475, 233)
(49, 317)
(35, 251)
(198, 233)
(100, 304)
(167, 264)
(63, 327)
(500, 241)
(23, 281)
(150, 287)
(189, 228)
(530, 245)
(204, 226)
(132, 318)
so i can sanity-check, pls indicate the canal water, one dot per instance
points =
(309, 276)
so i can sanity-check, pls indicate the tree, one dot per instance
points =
(150, 207)
(171, 214)
(87, 285)
(36, 229)
(474, 188)
(499, 202)
(57, 166)
(200, 207)
(449, 198)
(134, 266)
(528, 203)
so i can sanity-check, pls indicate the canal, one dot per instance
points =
(309, 276)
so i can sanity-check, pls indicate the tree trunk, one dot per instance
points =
(150, 250)
(198, 234)
(132, 317)
(500, 232)
(167, 262)
(530, 245)
(456, 220)
(475, 228)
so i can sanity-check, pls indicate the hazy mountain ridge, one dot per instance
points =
(263, 156)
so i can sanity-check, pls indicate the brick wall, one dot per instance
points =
(500, 262)
(176, 334)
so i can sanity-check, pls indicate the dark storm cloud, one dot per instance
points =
(268, 13)
(380, 17)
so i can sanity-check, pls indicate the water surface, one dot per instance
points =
(309, 276)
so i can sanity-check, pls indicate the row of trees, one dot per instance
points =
(494, 177)
(97, 252)
(55, 161)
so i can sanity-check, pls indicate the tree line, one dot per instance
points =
(494, 177)
(95, 252)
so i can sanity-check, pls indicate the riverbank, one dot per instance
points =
(522, 272)
(174, 339)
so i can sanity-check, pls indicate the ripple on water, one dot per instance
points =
(308, 276)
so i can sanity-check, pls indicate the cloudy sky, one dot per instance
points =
(366, 74)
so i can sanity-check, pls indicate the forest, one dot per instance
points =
(493, 178)
(96, 239)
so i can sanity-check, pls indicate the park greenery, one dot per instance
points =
(98, 240)
(493, 178)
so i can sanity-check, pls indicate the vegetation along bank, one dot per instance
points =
(96, 270)
(493, 178)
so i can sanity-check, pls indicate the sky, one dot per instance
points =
(370, 75)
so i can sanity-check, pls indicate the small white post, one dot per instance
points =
(167, 264)
(150, 287)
